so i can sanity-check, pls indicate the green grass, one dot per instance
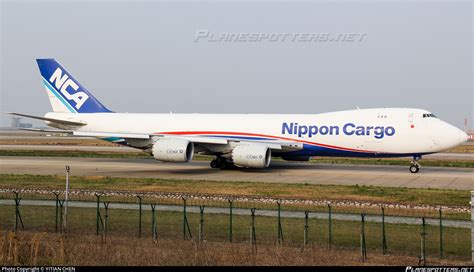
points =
(402, 239)
(370, 194)
(415, 196)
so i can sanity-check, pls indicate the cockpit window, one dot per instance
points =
(429, 115)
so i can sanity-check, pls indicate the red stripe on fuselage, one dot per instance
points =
(225, 133)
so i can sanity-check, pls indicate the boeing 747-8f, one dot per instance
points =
(246, 140)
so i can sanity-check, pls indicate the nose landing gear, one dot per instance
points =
(415, 166)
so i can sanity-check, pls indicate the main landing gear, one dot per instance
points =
(222, 163)
(415, 166)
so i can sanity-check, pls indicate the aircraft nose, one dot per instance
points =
(451, 136)
(463, 137)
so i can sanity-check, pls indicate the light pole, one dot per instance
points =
(66, 198)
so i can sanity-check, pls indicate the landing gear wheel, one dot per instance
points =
(414, 168)
(221, 162)
(228, 166)
(223, 165)
(214, 164)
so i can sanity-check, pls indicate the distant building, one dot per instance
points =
(16, 123)
(27, 125)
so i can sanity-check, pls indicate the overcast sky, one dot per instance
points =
(143, 56)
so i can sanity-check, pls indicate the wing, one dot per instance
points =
(283, 145)
(147, 139)
(142, 140)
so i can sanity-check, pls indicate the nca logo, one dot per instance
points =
(62, 82)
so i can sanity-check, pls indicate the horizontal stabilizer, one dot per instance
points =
(47, 130)
(58, 121)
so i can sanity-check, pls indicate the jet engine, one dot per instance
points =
(251, 156)
(173, 150)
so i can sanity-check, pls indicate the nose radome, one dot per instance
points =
(453, 136)
(463, 137)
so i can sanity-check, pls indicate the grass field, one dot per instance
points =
(345, 199)
(410, 196)
(39, 248)
(402, 240)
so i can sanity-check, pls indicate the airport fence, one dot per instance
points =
(425, 232)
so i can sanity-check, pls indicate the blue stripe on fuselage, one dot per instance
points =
(113, 139)
(313, 150)
(317, 150)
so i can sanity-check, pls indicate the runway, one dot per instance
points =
(125, 149)
(279, 172)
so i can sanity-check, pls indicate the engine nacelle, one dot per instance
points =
(251, 156)
(173, 150)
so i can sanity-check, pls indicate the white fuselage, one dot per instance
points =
(361, 132)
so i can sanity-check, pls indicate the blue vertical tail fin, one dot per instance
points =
(65, 93)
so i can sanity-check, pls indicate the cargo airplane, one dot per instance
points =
(246, 140)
